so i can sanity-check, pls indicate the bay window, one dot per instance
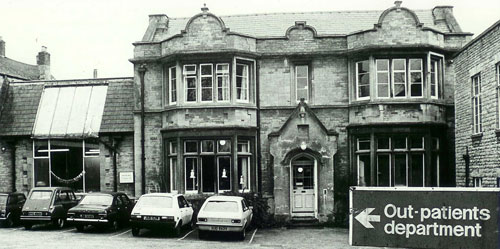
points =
(363, 80)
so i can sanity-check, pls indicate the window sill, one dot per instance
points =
(476, 136)
(497, 132)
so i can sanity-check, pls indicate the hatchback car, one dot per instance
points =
(224, 214)
(161, 210)
(101, 208)
(47, 204)
(10, 208)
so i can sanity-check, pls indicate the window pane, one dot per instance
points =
(382, 78)
(189, 69)
(416, 90)
(222, 87)
(191, 169)
(363, 67)
(399, 64)
(415, 64)
(206, 82)
(417, 142)
(363, 144)
(435, 169)
(173, 148)
(382, 65)
(190, 147)
(364, 91)
(206, 94)
(191, 95)
(417, 170)
(301, 71)
(92, 172)
(206, 70)
(224, 174)
(399, 142)
(173, 173)
(400, 165)
(67, 163)
(383, 90)
(224, 146)
(302, 94)
(41, 172)
(41, 148)
(364, 170)
(244, 173)
(399, 90)
(383, 166)
(383, 143)
(173, 84)
(207, 146)
(208, 174)
(243, 146)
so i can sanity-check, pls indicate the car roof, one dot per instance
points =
(224, 198)
(105, 193)
(51, 188)
(162, 195)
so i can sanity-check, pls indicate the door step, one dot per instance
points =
(304, 222)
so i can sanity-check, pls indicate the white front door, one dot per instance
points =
(302, 192)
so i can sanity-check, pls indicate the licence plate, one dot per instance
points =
(36, 213)
(88, 216)
(151, 218)
(218, 228)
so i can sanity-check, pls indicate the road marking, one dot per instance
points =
(120, 233)
(69, 230)
(187, 234)
(253, 235)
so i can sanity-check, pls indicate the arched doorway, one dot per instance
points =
(303, 194)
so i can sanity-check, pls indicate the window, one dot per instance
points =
(302, 82)
(382, 78)
(223, 82)
(478, 182)
(399, 78)
(206, 79)
(172, 162)
(172, 96)
(399, 161)
(498, 182)
(242, 82)
(244, 155)
(363, 80)
(416, 78)
(190, 83)
(436, 71)
(498, 92)
(476, 104)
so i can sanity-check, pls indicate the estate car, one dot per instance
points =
(47, 204)
(224, 214)
(101, 208)
(161, 210)
(10, 208)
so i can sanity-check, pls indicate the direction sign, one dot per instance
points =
(424, 217)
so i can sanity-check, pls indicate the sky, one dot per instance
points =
(85, 35)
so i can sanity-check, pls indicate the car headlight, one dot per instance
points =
(202, 219)
(167, 217)
(236, 221)
(51, 209)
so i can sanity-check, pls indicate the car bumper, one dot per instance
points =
(3, 218)
(219, 227)
(87, 221)
(35, 219)
(152, 224)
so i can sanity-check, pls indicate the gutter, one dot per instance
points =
(259, 154)
(142, 71)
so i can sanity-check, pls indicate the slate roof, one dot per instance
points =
(20, 109)
(18, 69)
(325, 23)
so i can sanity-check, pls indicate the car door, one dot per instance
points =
(182, 209)
(189, 210)
(11, 206)
(124, 208)
(246, 213)
(21, 199)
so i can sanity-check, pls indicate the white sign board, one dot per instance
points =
(127, 177)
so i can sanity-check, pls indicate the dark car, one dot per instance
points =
(102, 208)
(48, 204)
(10, 208)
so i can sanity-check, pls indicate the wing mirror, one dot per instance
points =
(190, 204)
(251, 207)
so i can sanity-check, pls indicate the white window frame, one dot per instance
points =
(388, 78)
(358, 83)
(421, 71)
(393, 83)
(172, 156)
(228, 174)
(186, 174)
(247, 155)
(477, 125)
(439, 74)
(187, 75)
(247, 95)
(172, 81)
(222, 74)
(201, 77)
(478, 182)
(307, 80)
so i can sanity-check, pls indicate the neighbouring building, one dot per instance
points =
(477, 70)
(295, 106)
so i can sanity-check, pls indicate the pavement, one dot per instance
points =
(44, 236)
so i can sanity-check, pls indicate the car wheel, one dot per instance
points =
(202, 234)
(27, 226)
(115, 225)
(59, 223)
(80, 228)
(178, 229)
(8, 222)
(135, 231)
(243, 234)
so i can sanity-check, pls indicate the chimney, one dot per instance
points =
(444, 15)
(43, 62)
(2, 47)
(95, 73)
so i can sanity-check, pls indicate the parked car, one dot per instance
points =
(101, 208)
(224, 214)
(10, 208)
(47, 204)
(159, 211)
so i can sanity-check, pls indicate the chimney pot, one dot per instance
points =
(2, 47)
(205, 8)
(398, 4)
(44, 49)
(95, 73)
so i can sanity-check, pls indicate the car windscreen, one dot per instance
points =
(104, 200)
(3, 200)
(155, 201)
(221, 206)
(40, 195)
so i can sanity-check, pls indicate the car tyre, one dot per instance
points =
(178, 228)
(243, 234)
(27, 226)
(80, 228)
(202, 234)
(135, 231)
(115, 225)
(8, 222)
(59, 223)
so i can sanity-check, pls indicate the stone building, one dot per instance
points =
(477, 70)
(296, 106)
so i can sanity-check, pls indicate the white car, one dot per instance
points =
(224, 214)
(160, 211)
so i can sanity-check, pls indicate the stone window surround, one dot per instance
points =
(476, 104)
(427, 59)
(232, 61)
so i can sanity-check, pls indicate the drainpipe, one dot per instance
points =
(466, 158)
(142, 70)
(13, 163)
(259, 156)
